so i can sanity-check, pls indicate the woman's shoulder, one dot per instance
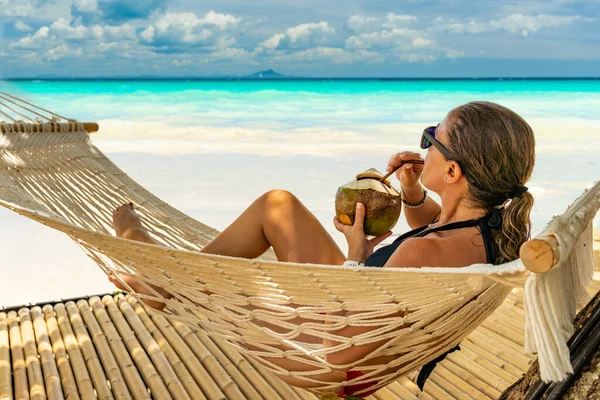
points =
(455, 250)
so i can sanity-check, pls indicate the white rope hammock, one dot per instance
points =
(51, 173)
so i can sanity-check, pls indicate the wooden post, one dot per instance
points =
(540, 255)
(90, 127)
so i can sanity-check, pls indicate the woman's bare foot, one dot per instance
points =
(138, 287)
(129, 226)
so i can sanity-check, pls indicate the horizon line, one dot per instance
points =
(290, 78)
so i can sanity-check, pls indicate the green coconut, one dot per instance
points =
(382, 202)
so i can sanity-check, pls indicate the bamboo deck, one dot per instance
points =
(112, 348)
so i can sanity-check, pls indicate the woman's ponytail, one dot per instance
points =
(516, 227)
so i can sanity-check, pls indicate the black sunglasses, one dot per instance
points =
(428, 139)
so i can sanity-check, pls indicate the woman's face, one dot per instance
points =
(434, 169)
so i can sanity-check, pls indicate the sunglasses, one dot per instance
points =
(428, 139)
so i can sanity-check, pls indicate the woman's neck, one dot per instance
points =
(457, 209)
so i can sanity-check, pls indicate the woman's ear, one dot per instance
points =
(453, 172)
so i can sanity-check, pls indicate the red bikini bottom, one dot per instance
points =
(348, 391)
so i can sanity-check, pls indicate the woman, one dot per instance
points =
(478, 161)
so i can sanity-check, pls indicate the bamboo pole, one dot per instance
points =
(489, 357)
(471, 379)
(412, 387)
(51, 376)
(303, 394)
(489, 377)
(69, 386)
(246, 387)
(131, 374)
(383, 394)
(18, 358)
(218, 372)
(144, 365)
(498, 350)
(400, 391)
(6, 392)
(242, 365)
(490, 365)
(187, 356)
(37, 388)
(284, 390)
(183, 370)
(109, 364)
(507, 341)
(153, 350)
(509, 333)
(437, 392)
(454, 380)
(82, 376)
(89, 353)
(90, 127)
(456, 392)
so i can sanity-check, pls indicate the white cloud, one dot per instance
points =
(148, 34)
(28, 40)
(22, 26)
(181, 63)
(300, 36)
(414, 57)
(272, 42)
(18, 8)
(63, 30)
(515, 23)
(334, 55)
(454, 54)
(121, 32)
(359, 23)
(398, 37)
(421, 42)
(213, 29)
(85, 6)
(62, 51)
(303, 31)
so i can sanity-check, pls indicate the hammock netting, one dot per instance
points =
(52, 173)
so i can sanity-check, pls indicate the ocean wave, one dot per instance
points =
(178, 135)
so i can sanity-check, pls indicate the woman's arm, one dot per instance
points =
(412, 191)
(426, 214)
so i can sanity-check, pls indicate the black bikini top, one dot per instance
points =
(492, 220)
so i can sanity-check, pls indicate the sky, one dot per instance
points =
(314, 38)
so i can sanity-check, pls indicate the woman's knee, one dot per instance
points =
(279, 198)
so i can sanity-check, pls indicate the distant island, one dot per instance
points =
(268, 74)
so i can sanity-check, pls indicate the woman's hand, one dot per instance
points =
(409, 174)
(359, 247)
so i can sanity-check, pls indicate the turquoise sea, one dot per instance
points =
(210, 147)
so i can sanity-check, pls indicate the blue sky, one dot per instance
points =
(346, 38)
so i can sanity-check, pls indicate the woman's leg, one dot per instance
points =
(276, 219)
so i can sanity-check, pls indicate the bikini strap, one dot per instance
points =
(380, 257)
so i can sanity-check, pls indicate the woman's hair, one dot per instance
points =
(495, 148)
